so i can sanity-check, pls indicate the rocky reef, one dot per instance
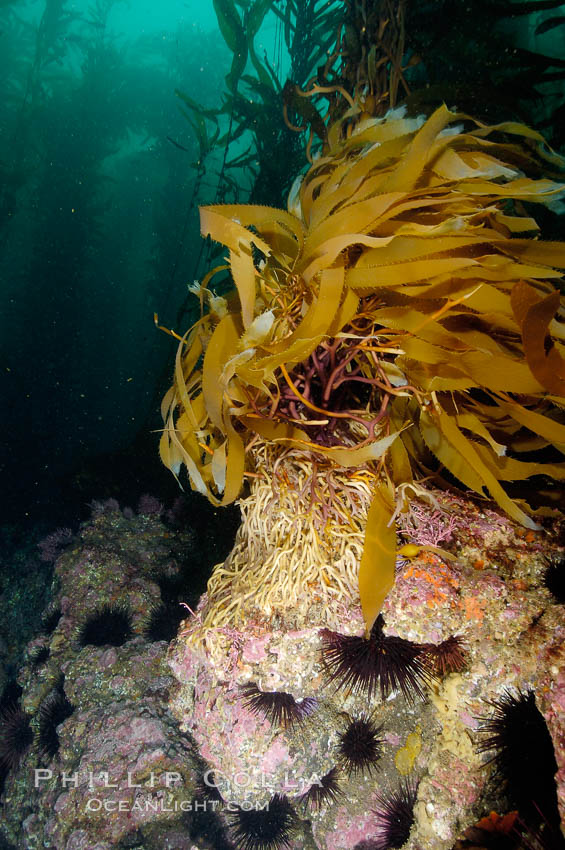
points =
(268, 731)
(104, 764)
(270, 718)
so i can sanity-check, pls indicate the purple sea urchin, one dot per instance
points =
(163, 621)
(384, 662)
(206, 786)
(16, 735)
(521, 750)
(449, 656)
(53, 711)
(554, 580)
(264, 829)
(50, 618)
(280, 708)
(395, 814)
(38, 655)
(360, 746)
(108, 625)
(326, 790)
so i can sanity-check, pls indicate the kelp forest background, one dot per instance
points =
(113, 133)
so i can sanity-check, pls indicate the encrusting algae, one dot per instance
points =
(401, 318)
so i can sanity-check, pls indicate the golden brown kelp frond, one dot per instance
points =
(394, 318)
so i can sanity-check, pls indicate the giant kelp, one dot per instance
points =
(401, 316)
(251, 104)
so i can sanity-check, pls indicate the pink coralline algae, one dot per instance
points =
(154, 727)
(254, 650)
(428, 525)
(117, 765)
(348, 834)
(483, 598)
(51, 546)
(122, 768)
(149, 505)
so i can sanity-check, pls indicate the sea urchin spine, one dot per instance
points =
(360, 746)
(521, 749)
(395, 814)
(53, 711)
(449, 656)
(270, 828)
(380, 662)
(280, 708)
(326, 790)
(109, 625)
(16, 735)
